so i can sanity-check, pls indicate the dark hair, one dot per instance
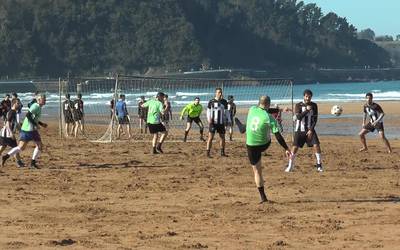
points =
(369, 94)
(121, 95)
(166, 96)
(307, 92)
(142, 97)
(218, 88)
(197, 98)
(160, 94)
(67, 96)
(230, 97)
(79, 95)
(7, 95)
(14, 94)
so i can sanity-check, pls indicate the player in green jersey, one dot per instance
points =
(193, 111)
(259, 126)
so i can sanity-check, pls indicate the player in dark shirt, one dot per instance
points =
(78, 115)
(306, 116)
(5, 106)
(142, 114)
(232, 113)
(376, 114)
(7, 133)
(14, 96)
(68, 109)
(217, 116)
(167, 115)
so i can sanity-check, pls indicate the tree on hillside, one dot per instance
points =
(385, 38)
(368, 34)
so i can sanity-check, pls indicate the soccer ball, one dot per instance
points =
(336, 110)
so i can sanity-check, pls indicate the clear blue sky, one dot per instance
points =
(382, 16)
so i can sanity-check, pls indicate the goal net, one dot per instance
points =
(100, 125)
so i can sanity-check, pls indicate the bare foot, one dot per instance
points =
(363, 150)
(390, 151)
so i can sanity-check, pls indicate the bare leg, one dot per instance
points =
(259, 180)
(209, 143)
(385, 141)
(188, 127)
(362, 134)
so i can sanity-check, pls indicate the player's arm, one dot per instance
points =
(297, 110)
(227, 113)
(314, 117)
(234, 110)
(184, 110)
(278, 136)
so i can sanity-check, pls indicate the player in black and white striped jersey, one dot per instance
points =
(306, 117)
(218, 116)
(375, 113)
(7, 133)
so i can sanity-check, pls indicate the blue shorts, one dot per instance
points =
(30, 136)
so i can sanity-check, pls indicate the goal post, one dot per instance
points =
(101, 125)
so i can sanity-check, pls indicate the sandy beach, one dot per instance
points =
(119, 196)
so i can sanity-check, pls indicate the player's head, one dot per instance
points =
(79, 95)
(369, 98)
(7, 97)
(14, 95)
(230, 98)
(307, 95)
(166, 97)
(264, 101)
(160, 96)
(218, 93)
(14, 104)
(41, 99)
(196, 100)
(142, 98)
(67, 96)
(122, 96)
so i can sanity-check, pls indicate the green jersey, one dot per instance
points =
(259, 126)
(36, 111)
(192, 110)
(154, 112)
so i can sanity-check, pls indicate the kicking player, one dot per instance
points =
(29, 132)
(375, 113)
(68, 117)
(306, 116)
(260, 124)
(167, 112)
(232, 112)
(7, 136)
(123, 116)
(79, 115)
(142, 114)
(217, 116)
(155, 111)
(193, 111)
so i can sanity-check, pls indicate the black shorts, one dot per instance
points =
(78, 116)
(68, 117)
(123, 120)
(254, 152)
(219, 128)
(378, 127)
(156, 128)
(300, 138)
(193, 119)
(4, 141)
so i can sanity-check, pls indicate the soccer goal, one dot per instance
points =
(100, 123)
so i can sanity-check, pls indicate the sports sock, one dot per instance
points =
(262, 193)
(318, 157)
(36, 153)
(291, 160)
(14, 151)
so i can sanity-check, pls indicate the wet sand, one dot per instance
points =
(119, 196)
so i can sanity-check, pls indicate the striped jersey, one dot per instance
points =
(7, 131)
(305, 119)
(217, 111)
(373, 111)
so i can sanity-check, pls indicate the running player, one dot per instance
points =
(68, 117)
(232, 112)
(79, 115)
(155, 110)
(167, 115)
(142, 114)
(260, 124)
(193, 111)
(29, 132)
(306, 116)
(123, 116)
(34, 100)
(217, 117)
(375, 113)
(7, 134)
